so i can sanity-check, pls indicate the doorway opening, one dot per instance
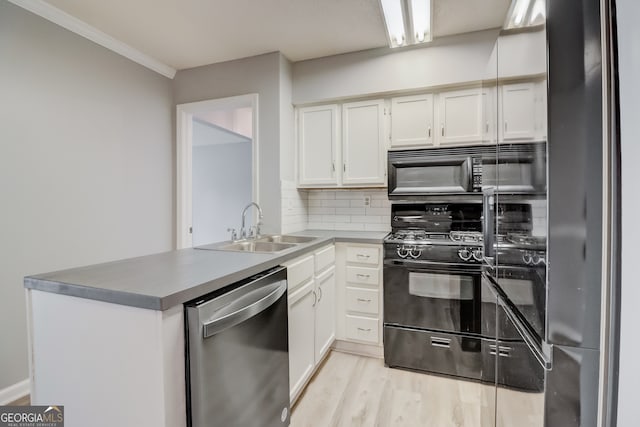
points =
(217, 167)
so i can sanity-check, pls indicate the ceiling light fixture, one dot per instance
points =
(525, 13)
(407, 21)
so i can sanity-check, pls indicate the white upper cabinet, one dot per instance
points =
(363, 143)
(460, 115)
(489, 114)
(519, 114)
(318, 135)
(412, 121)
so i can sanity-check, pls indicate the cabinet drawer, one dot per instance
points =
(324, 258)
(364, 275)
(362, 300)
(299, 271)
(363, 255)
(362, 329)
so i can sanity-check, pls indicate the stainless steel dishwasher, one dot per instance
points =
(238, 354)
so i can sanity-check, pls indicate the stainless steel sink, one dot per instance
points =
(284, 238)
(255, 246)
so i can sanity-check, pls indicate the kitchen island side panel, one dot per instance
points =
(108, 364)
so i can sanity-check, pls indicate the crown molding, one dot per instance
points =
(75, 25)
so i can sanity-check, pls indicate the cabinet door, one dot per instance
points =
(301, 333)
(412, 121)
(461, 117)
(318, 146)
(489, 114)
(325, 313)
(518, 109)
(363, 146)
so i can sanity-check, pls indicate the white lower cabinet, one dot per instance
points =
(325, 325)
(311, 282)
(301, 342)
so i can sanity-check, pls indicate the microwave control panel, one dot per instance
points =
(476, 180)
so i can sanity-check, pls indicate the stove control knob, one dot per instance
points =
(402, 251)
(477, 254)
(464, 254)
(415, 252)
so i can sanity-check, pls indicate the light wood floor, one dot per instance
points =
(354, 391)
(23, 401)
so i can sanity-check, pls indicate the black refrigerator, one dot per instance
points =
(542, 285)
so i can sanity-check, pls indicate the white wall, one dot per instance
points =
(238, 120)
(86, 163)
(258, 74)
(629, 70)
(222, 185)
(449, 60)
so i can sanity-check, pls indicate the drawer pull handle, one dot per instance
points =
(364, 300)
(363, 256)
(366, 276)
(503, 351)
(440, 342)
(364, 330)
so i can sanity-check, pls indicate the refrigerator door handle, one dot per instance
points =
(542, 352)
(488, 225)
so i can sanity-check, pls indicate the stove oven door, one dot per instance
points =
(433, 296)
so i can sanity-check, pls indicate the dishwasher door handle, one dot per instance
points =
(244, 308)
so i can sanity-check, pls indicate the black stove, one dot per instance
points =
(434, 294)
(436, 232)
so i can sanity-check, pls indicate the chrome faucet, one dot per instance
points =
(243, 231)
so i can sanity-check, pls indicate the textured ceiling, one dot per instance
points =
(190, 33)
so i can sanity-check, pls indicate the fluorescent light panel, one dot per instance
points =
(407, 21)
(420, 11)
(526, 13)
(394, 19)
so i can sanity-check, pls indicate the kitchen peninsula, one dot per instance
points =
(121, 325)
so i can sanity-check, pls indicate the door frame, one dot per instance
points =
(184, 161)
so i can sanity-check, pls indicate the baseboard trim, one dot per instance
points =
(14, 392)
(359, 349)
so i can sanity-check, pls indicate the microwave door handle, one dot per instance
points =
(488, 225)
(467, 173)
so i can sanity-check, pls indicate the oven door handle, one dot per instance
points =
(430, 265)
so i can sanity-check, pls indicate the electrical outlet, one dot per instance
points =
(367, 200)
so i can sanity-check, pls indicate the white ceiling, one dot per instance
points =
(189, 33)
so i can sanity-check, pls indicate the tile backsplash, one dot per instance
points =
(294, 207)
(325, 209)
(356, 209)
(347, 209)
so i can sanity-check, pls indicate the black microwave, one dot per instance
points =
(512, 168)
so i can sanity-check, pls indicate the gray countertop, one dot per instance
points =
(164, 280)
